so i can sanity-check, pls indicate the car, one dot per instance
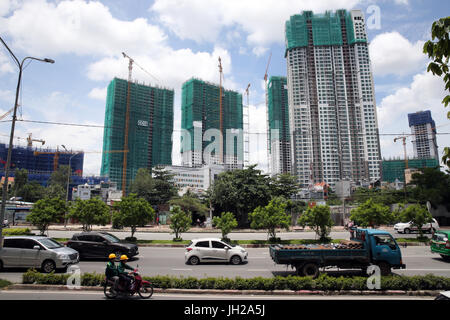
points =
(36, 252)
(408, 227)
(440, 243)
(94, 245)
(214, 250)
(443, 296)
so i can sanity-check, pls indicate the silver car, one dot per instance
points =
(214, 250)
(36, 252)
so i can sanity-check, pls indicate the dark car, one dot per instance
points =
(100, 245)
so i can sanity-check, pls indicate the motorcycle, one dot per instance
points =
(112, 289)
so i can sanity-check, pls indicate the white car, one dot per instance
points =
(408, 227)
(214, 250)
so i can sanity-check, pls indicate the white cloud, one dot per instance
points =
(259, 51)
(98, 93)
(6, 6)
(84, 28)
(391, 53)
(6, 63)
(425, 93)
(262, 20)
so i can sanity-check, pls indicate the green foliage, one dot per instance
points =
(318, 219)
(132, 212)
(32, 192)
(46, 212)
(283, 185)
(324, 282)
(164, 188)
(16, 232)
(371, 214)
(438, 49)
(271, 216)
(20, 180)
(143, 184)
(226, 222)
(90, 212)
(240, 192)
(418, 215)
(431, 185)
(57, 187)
(4, 283)
(191, 204)
(180, 221)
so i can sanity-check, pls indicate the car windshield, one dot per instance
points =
(440, 237)
(50, 243)
(110, 237)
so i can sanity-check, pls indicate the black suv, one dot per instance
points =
(101, 245)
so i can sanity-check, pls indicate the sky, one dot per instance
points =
(174, 40)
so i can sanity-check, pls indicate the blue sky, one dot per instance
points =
(175, 40)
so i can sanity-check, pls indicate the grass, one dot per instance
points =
(4, 283)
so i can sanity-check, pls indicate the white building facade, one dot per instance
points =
(332, 109)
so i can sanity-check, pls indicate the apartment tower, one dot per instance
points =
(332, 111)
(201, 125)
(423, 128)
(278, 126)
(150, 129)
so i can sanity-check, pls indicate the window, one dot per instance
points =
(202, 244)
(12, 243)
(29, 244)
(385, 240)
(219, 245)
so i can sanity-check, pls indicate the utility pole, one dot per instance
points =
(406, 161)
(11, 137)
(221, 112)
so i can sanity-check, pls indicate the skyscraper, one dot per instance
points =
(278, 126)
(149, 133)
(200, 123)
(332, 112)
(424, 130)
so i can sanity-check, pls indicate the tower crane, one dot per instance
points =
(404, 148)
(57, 153)
(221, 111)
(6, 113)
(30, 140)
(127, 120)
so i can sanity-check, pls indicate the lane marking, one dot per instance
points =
(445, 270)
(257, 270)
(181, 269)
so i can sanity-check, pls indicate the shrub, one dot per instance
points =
(17, 232)
(4, 283)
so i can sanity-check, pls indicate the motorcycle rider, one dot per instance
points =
(123, 274)
(111, 271)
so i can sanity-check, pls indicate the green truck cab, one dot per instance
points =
(367, 247)
(440, 243)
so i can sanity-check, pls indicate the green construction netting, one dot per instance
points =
(395, 169)
(278, 111)
(149, 133)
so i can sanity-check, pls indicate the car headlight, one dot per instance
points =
(63, 256)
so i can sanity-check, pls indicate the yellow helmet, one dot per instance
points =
(123, 257)
(112, 256)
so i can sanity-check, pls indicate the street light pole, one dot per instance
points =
(11, 137)
(67, 190)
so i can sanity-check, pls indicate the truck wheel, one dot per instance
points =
(310, 270)
(385, 268)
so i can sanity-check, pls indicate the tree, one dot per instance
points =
(319, 220)
(20, 180)
(190, 204)
(180, 221)
(271, 217)
(371, 214)
(164, 187)
(417, 215)
(143, 184)
(284, 185)
(45, 212)
(240, 192)
(59, 176)
(133, 212)
(439, 52)
(432, 185)
(90, 212)
(32, 192)
(226, 222)
(55, 191)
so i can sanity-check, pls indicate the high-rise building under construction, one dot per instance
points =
(150, 127)
(203, 124)
(332, 110)
(278, 126)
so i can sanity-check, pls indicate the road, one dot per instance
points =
(232, 235)
(153, 261)
(98, 295)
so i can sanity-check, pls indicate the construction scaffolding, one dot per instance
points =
(200, 107)
(149, 136)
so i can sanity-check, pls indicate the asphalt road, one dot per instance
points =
(153, 261)
(98, 295)
(232, 235)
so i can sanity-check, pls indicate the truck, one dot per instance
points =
(366, 247)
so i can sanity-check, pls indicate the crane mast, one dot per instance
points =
(127, 120)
